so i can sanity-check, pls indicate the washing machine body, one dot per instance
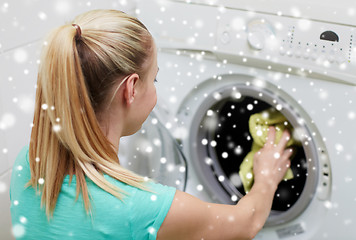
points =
(221, 64)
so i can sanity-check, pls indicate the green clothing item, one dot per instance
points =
(258, 125)
(139, 216)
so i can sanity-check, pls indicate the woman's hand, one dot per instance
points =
(191, 218)
(272, 161)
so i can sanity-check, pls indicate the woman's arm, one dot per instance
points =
(191, 218)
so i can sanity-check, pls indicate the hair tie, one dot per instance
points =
(79, 31)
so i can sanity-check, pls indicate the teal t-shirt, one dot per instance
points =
(139, 216)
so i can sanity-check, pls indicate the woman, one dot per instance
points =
(95, 85)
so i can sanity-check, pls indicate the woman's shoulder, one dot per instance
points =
(22, 161)
(20, 172)
(153, 187)
(153, 199)
(22, 156)
(149, 208)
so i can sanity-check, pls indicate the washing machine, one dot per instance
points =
(221, 62)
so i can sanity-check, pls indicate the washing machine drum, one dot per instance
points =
(233, 142)
(223, 140)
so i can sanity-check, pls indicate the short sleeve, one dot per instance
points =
(149, 210)
(20, 173)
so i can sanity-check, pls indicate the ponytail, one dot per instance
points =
(66, 136)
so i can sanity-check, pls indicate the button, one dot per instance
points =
(340, 59)
(306, 53)
(225, 37)
(314, 55)
(322, 58)
(331, 56)
(289, 53)
(256, 40)
(298, 52)
(282, 50)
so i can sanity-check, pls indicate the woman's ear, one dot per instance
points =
(130, 89)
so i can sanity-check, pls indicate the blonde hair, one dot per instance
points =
(75, 78)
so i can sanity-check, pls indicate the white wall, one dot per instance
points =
(23, 24)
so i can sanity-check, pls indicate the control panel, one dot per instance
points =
(329, 48)
(313, 46)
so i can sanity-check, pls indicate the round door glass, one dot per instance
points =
(152, 152)
(230, 141)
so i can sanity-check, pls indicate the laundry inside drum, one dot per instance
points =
(228, 140)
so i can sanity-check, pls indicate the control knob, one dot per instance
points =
(260, 34)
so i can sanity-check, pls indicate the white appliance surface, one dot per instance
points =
(308, 60)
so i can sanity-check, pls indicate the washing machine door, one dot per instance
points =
(220, 139)
(153, 152)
